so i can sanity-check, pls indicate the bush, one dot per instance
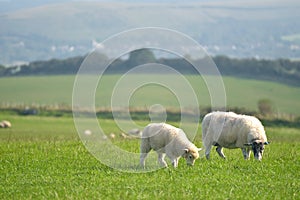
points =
(265, 107)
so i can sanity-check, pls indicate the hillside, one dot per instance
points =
(56, 92)
(268, 29)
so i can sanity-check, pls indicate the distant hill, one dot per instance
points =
(264, 29)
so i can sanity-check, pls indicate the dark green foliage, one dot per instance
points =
(51, 67)
(143, 115)
(265, 107)
(140, 57)
(280, 70)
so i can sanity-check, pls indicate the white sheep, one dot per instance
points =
(230, 130)
(135, 132)
(5, 124)
(112, 135)
(88, 132)
(167, 140)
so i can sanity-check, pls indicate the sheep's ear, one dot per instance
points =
(248, 144)
(266, 143)
(199, 149)
(186, 150)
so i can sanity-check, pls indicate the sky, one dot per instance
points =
(14, 5)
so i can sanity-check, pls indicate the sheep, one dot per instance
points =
(88, 132)
(167, 140)
(124, 136)
(231, 130)
(135, 132)
(5, 124)
(112, 135)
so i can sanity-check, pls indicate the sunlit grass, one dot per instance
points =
(43, 158)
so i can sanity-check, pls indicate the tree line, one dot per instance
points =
(279, 70)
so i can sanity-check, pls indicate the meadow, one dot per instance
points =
(43, 158)
(57, 90)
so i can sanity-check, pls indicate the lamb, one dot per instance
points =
(5, 124)
(230, 130)
(167, 140)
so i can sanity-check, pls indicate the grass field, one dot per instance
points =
(57, 90)
(43, 158)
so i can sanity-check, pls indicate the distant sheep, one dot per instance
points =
(124, 136)
(5, 124)
(230, 130)
(88, 132)
(112, 135)
(135, 132)
(167, 140)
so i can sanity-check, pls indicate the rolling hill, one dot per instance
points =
(56, 91)
(266, 29)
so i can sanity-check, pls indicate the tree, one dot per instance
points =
(265, 106)
(140, 57)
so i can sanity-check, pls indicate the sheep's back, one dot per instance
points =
(229, 129)
(159, 134)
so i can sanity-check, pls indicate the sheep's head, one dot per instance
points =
(190, 155)
(258, 149)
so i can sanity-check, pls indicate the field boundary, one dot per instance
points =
(142, 113)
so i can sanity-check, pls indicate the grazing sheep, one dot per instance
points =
(112, 135)
(5, 124)
(167, 140)
(124, 136)
(88, 132)
(230, 130)
(135, 132)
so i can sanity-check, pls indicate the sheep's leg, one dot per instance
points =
(161, 159)
(145, 149)
(207, 151)
(246, 153)
(175, 162)
(219, 149)
(142, 159)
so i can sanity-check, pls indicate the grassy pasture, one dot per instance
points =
(57, 90)
(43, 158)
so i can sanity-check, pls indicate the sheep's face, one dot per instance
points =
(190, 156)
(258, 150)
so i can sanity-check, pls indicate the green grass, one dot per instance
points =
(57, 91)
(43, 158)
